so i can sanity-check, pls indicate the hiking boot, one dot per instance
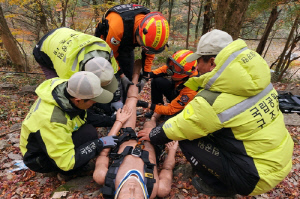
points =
(202, 187)
(149, 114)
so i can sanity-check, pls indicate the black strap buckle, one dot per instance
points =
(137, 152)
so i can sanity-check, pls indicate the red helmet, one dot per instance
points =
(178, 66)
(153, 32)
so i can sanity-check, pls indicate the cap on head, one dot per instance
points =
(211, 43)
(104, 70)
(154, 32)
(86, 85)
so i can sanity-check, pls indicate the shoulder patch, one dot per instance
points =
(114, 41)
(184, 98)
(58, 116)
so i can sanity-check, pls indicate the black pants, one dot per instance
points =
(217, 169)
(44, 164)
(126, 63)
(160, 87)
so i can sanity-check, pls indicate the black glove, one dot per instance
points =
(109, 141)
(142, 83)
(126, 83)
(141, 103)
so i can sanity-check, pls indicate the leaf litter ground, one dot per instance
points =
(14, 106)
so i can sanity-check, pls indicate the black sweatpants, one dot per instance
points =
(160, 87)
(44, 164)
(219, 169)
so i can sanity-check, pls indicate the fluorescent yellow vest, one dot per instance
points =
(245, 102)
(66, 49)
(40, 119)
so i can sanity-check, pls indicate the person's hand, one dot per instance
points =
(109, 141)
(126, 82)
(144, 134)
(142, 83)
(141, 103)
(123, 114)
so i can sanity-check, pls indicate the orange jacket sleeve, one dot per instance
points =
(184, 97)
(162, 69)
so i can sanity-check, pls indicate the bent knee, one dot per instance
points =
(99, 177)
(163, 191)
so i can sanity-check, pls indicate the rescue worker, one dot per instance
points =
(63, 52)
(125, 27)
(55, 136)
(232, 132)
(174, 90)
(122, 178)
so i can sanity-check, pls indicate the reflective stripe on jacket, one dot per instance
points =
(238, 96)
(67, 49)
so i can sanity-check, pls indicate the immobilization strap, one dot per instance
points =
(109, 187)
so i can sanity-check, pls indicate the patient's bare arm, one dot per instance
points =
(102, 161)
(166, 174)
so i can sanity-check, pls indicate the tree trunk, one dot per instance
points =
(220, 14)
(206, 21)
(198, 21)
(171, 3)
(64, 5)
(188, 26)
(281, 63)
(159, 5)
(11, 45)
(231, 21)
(271, 21)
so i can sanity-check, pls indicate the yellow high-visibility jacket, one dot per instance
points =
(237, 97)
(47, 129)
(67, 48)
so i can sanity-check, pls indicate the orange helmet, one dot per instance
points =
(153, 32)
(178, 67)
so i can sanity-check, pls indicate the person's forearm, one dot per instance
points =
(115, 128)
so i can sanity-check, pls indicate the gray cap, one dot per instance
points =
(104, 70)
(86, 85)
(211, 43)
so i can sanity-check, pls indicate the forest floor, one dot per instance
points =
(17, 96)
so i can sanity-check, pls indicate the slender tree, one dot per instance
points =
(188, 25)
(271, 21)
(10, 45)
(198, 20)
(207, 17)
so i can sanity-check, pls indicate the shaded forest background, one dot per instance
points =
(265, 24)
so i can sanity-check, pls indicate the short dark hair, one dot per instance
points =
(206, 58)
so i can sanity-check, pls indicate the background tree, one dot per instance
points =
(10, 45)
(188, 24)
(271, 21)
(198, 19)
(207, 17)
(285, 58)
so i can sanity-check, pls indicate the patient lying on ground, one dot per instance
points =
(134, 174)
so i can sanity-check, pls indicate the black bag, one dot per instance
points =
(289, 103)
